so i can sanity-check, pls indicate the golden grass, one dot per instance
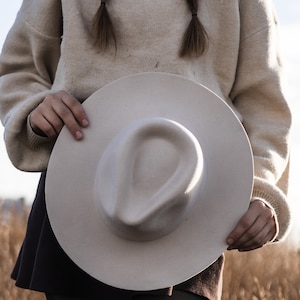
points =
(272, 272)
(12, 230)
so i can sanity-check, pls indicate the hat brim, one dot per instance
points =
(201, 238)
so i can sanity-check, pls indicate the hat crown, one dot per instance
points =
(147, 179)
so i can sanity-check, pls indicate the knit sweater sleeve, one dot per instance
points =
(28, 63)
(258, 95)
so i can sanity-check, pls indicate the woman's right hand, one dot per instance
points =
(56, 110)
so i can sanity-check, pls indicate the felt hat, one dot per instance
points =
(164, 172)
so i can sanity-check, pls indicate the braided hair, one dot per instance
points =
(194, 42)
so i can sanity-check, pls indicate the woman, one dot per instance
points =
(59, 52)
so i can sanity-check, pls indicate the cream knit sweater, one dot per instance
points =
(51, 48)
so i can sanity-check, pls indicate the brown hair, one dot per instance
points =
(194, 43)
(103, 27)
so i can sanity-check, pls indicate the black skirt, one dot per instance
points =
(43, 266)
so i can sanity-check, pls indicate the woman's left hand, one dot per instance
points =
(256, 228)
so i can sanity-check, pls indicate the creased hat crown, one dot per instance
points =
(148, 178)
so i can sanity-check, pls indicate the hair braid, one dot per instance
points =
(103, 27)
(194, 43)
(195, 38)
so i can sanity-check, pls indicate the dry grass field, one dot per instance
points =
(271, 273)
(12, 229)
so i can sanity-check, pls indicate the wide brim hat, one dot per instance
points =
(164, 173)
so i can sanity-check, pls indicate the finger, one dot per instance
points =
(45, 122)
(240, 231)
(257, 241)
(256, 228)
(68, 120)
(258, 237)
(241, 234)
(53, 119)
(65, 108)
(76, 108)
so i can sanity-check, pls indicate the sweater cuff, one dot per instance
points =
(274, 198)
(274, 238)
(29, 151)
(33, 138)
